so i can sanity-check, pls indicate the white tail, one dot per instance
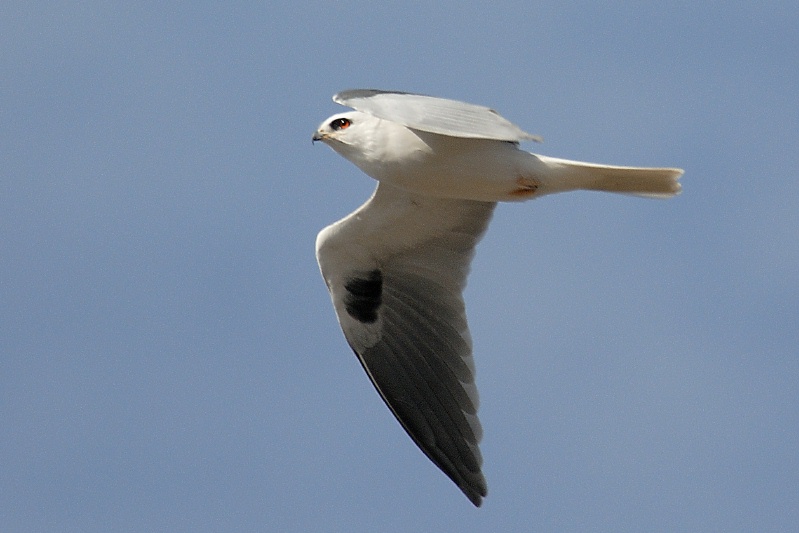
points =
(650, 182)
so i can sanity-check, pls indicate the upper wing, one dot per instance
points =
(435, 115)
(395, 269)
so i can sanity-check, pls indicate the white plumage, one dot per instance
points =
(397, 266)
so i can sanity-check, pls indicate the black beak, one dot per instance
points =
(316, 137)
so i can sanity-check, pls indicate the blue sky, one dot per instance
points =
(170, 360)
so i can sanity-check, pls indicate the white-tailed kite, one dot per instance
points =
(397, 266)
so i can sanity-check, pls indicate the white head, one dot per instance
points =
(374, 145)
(349, 133)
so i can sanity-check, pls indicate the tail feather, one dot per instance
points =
(649, 182)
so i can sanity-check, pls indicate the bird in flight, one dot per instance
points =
(396, 267)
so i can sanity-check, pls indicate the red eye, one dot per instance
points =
(340, 124)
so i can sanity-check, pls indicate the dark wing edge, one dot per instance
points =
(342, 97)
(402, 313)
(422, 378)
(432, 114)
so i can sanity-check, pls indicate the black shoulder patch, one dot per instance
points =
(365, 293)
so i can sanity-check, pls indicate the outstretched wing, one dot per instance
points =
(434, 115)
(396, 269)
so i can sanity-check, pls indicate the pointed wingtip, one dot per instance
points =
(475, 495)
(475, 487)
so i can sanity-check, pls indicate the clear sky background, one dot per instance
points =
(170, 360)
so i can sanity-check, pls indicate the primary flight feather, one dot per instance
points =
(397, 266)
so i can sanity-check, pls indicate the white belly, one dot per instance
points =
(472, 169)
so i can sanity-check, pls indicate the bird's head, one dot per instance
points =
(350, 128)
(352, 134)
(373, 144)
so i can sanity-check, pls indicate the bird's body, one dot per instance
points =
(488, 170)
(396, 267)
